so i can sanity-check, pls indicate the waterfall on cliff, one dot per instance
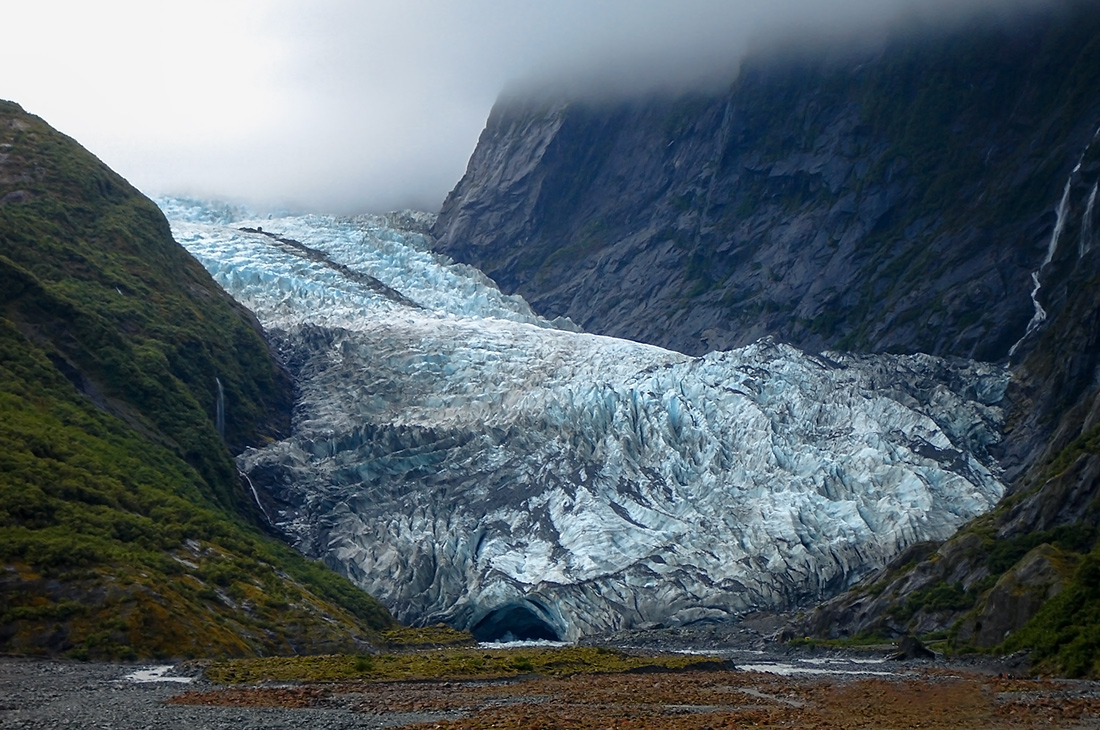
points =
(1040, 315)
(1086, 222)
(256, 497)
(219, 409)
(1062, 216)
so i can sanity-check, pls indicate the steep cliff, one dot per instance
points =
(127, 376)
(887, 200)
(1026, 575)
(937, 194)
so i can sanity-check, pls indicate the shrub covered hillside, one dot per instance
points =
(125, 530)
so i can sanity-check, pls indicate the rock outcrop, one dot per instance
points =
(895, 200)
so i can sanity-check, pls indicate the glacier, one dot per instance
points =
(469, 462)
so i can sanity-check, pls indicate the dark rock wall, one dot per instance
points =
(893, 200)
(1023, 576)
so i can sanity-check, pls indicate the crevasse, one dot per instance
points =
(467, 461)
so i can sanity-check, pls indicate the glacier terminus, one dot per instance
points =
(469, 462)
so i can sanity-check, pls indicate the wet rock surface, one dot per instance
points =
(831, 202)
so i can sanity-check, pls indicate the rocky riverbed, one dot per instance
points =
(827, 690)
(36, 693)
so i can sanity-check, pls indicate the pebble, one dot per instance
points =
(48, 693)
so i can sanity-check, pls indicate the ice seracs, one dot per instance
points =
(469, 462)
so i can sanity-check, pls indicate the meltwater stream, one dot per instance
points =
(467, 461)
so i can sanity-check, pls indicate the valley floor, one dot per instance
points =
(51, 694)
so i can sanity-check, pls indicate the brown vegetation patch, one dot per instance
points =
(288, 697)
(932, 700)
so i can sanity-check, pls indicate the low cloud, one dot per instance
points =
(354, 105)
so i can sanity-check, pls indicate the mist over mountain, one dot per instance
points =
(888, 199)
(350, 106)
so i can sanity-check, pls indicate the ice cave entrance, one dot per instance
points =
(514, 622)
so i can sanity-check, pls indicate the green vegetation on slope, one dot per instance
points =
(1025, 577)
(1064, 636)
(124, 528)
(453, 663)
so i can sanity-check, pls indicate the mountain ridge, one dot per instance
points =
(126, 376)
(831, 202)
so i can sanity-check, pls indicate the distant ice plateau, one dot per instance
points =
(469, 462)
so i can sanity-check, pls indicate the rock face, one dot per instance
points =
(469, 462)
(935, 195)
(1005, 567)
(1016, 597)
(896, 200)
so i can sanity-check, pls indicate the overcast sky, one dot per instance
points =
(366, 105)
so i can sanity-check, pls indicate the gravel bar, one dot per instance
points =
(40, 693)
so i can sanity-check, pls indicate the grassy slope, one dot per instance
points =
(124, 529)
